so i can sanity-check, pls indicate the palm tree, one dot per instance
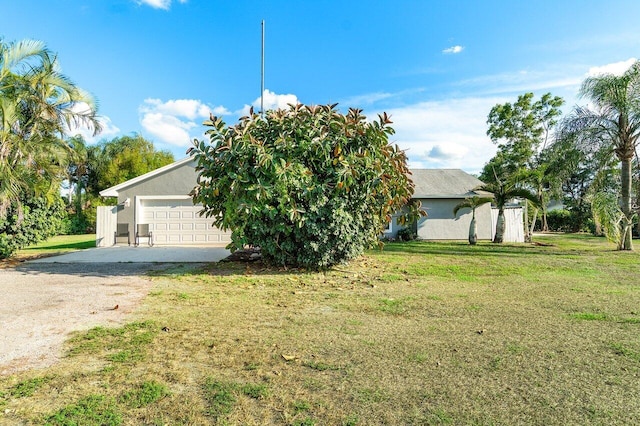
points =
(613, 122)
(503, 191)
(38, 105)
(472, 203)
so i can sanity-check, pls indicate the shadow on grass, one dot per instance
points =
(81, 245)
(566, 246)
(464, 249)
(88, 269)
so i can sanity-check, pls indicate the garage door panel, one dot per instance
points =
(178, 222)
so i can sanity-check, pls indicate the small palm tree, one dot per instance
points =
(472, 203)
(504, 190)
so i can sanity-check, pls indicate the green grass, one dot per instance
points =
(420, 333)
(220, 398)
(93, 410)
(148, 393)
(58, 245)
(27, 387)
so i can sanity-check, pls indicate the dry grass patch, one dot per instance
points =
(422, 333)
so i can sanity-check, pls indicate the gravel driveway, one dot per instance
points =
(42, 303)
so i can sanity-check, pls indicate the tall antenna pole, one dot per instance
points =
(262, 75)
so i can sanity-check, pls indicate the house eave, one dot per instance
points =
(452, 196)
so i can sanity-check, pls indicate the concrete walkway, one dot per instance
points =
(142, 254)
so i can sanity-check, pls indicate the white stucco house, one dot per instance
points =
(160, 200)
(439, 191)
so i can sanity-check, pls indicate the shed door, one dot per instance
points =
(177, 222)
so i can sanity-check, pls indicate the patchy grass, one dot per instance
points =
(420, 333)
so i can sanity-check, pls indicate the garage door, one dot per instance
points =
(178, 222)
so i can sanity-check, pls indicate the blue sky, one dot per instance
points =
(158, 67)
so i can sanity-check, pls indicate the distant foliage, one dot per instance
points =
(39, 221)
(568, 221)
(407, 234)
(308, 185)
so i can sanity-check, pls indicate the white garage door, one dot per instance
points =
(178, 222)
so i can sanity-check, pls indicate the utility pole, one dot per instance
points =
(262, 75)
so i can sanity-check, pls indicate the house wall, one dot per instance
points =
(440, 224)
(178, 181)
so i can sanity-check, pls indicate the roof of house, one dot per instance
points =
(113, 191)
(444, 183)
(429, 183)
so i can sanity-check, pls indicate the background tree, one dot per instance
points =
(120, 159)
(308, 185)
(94, 168)
(581, 170)
(522, 130)
(472, 203)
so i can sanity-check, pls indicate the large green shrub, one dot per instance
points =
(308, 185)
(38, 220)
(568, 221)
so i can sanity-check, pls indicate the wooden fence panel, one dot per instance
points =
(514, 224)
(106, 223)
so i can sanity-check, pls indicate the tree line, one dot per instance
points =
(587, 160)
(39, 108)
(313, 178)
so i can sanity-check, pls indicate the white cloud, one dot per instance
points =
(220, 110)
(174, 122)
(451, 133)
(616, 68)
(445, 134)
(448, 152)
(522, 81)
(453, 50)
(158, 4)
(271, 101)
(188, 108)
(167, 128)
(366, 99)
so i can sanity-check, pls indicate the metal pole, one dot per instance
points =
(262, 75)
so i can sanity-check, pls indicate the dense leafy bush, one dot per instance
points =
(568, 221)
(38, 221)
(308, 185)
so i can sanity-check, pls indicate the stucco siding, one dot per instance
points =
(178, 181)
(440, 223)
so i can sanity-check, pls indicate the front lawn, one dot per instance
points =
(58, 245)
(421, 333)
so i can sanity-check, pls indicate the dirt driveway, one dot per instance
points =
(41, 303)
